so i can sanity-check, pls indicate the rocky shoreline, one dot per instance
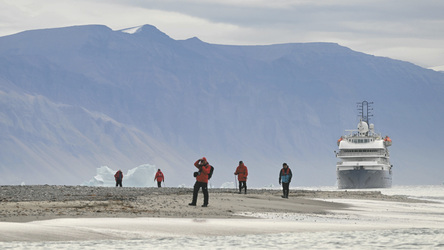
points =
(88, 193)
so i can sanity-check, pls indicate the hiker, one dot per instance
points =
(159, 177)
(242, 173)
(285, 177)
(118, 176)
(201, 180)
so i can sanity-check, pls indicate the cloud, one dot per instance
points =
(370, 26)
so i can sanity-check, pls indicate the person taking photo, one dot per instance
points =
(201, 175)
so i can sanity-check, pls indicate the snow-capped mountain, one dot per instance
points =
(77, 98)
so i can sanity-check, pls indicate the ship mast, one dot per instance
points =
(364, 111)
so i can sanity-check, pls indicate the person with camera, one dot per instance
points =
(201, 180)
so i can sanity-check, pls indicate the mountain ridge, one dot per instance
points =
(262, 104)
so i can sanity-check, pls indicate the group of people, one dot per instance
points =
(204, 173)
(158, 177)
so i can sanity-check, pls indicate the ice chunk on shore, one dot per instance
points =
(228, 185)
(141, 176)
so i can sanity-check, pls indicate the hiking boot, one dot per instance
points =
(192, 204)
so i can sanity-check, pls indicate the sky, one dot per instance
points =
(408, 30)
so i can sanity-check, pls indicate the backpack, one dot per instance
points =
(211, 172)
(118, 175)
(283, 171)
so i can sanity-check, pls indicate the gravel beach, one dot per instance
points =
(43, 202)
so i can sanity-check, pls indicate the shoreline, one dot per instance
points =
(45, 202)
(31, 215)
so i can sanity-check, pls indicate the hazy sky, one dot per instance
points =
(410, 30)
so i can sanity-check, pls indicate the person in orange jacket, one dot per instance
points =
(159, 177)
(242, 173)
(118, 177)
(201, 180)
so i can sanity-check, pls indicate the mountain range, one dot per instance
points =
(74, 99)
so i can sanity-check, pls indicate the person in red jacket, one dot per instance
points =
(201, 180)
(159, 177)
(119, 177)
(242, 173)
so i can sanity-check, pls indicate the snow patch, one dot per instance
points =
(132, 30)
(439, 68)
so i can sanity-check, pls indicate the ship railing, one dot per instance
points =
(362, 154)
(355, 133)
(381, 161)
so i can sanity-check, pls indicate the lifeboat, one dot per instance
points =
(340, 139)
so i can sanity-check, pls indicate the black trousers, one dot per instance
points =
(286, 188)
(118, 183)
(204, 187)
(159, 184)
(242, 184)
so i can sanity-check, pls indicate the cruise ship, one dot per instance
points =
(365, 159)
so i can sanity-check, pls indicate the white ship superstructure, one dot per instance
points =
(365, 159)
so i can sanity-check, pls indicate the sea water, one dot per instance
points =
(425, 237)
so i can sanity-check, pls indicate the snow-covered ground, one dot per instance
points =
(367, 223)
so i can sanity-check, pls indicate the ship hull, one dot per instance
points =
(362, 178)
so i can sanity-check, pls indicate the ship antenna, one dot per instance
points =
(364, 111)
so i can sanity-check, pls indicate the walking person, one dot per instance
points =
(285, 177)
(118, 177)
(242, 173)
(159, 177)
(201, 180)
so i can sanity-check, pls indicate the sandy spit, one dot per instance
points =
(43, 202)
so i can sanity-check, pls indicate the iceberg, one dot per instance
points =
(141, 176)
(228, 185)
